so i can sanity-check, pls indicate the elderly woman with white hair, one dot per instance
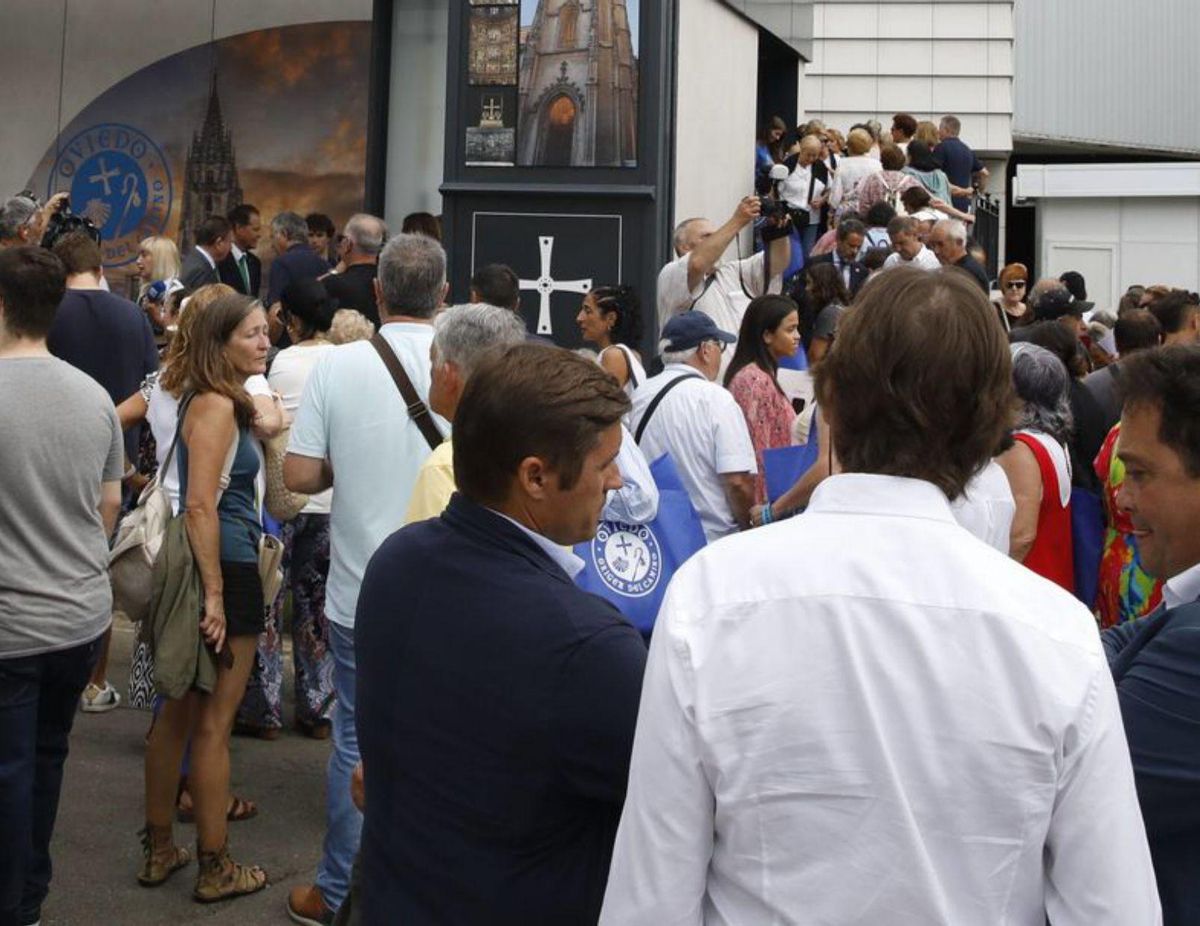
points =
(1038, 465)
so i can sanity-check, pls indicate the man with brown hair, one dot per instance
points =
(898, 722)
(497, 700)
(110, 339)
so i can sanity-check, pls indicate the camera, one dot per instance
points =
(771, 207)
(64, 222)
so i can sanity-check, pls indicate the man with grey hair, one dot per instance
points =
(698, 278)
(463, 335)
(681, 411)
(22, 220)
(948, 241)
(962, 166)
(354, 287)
(294, 258)
(354, 429)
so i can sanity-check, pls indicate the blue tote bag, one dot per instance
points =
(783, 466)
(631, 564)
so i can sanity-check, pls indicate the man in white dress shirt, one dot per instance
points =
(867, 715)
(681, 411)
(907, 247)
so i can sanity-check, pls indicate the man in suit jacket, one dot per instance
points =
(241, 268)
(850, 236)
(213, 241)
(497, 701)
(1156, 660)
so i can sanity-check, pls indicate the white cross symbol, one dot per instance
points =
(546, 284)
(104, 176)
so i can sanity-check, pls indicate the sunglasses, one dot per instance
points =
(1015, 284)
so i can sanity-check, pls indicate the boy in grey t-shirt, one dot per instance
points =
(61, 460)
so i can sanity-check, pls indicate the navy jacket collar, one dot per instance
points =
(487, 527)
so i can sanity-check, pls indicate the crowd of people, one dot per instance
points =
(942, 671)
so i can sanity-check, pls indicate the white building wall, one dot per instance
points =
(874, 59)
(716, 100)
(1109, 72)
(1117, 224)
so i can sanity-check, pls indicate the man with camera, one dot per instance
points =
(699, 279)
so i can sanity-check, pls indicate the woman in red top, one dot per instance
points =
(770, 330)
(1038, 466)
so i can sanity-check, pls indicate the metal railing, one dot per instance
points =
(986, 230)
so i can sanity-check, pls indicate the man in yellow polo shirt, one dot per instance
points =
(463, 334)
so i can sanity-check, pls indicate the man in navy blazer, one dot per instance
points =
(1156, 661)
(497, 700)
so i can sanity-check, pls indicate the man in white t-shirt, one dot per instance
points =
(699, 279)
(683, 412)
(908, 251)
(353, 430)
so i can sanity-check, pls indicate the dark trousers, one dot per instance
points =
(39, 696)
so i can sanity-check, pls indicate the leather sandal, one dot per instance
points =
(221, 878)
(161, 858)
(239, 809)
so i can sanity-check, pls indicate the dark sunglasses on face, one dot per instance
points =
(1016, 284)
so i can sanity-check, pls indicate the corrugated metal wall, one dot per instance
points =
(1109, 72)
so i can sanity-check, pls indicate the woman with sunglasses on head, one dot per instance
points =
(1011, 308)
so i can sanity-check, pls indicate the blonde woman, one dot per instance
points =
(158, 259)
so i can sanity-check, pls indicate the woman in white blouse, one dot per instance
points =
(611, 319)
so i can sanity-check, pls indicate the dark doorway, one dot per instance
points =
(560, 132)
(778, 80)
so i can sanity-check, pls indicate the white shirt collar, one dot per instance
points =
(873, 494)
(236, 252)
(208, 257)
(567, 561)
(1183, 588)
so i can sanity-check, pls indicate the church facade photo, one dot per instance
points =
(578, 86)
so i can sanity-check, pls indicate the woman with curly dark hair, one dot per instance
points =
(611, 319)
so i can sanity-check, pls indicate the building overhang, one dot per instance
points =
(1108, 181)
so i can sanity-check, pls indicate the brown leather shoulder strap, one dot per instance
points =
(417, 410)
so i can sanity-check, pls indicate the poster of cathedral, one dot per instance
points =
(492, 132)
(492, 47)
(577, 93)
(200, 131)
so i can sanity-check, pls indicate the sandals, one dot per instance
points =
(161, 858)
(241, 728)
(221, 878)
(239, 809)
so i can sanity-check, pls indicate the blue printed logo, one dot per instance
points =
(627, 558)
(119, 179)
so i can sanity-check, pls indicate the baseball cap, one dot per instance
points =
(683, 332)
(1056, 303)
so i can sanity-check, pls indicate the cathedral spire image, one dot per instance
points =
(210, 177)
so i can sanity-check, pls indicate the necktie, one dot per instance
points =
(245, 272)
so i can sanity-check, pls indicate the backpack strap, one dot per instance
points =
(657, 400)
(417, 410)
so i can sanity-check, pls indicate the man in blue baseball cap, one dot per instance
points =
(681, 411)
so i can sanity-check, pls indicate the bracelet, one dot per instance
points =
(767, 514)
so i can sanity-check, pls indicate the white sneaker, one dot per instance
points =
(97, 700)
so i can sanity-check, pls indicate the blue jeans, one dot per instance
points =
(342, 818)
(808, 237)
(39, 696)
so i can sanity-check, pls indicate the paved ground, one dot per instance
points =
(96, 850)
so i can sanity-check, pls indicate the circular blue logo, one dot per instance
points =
(628, 558)
(119, 179)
